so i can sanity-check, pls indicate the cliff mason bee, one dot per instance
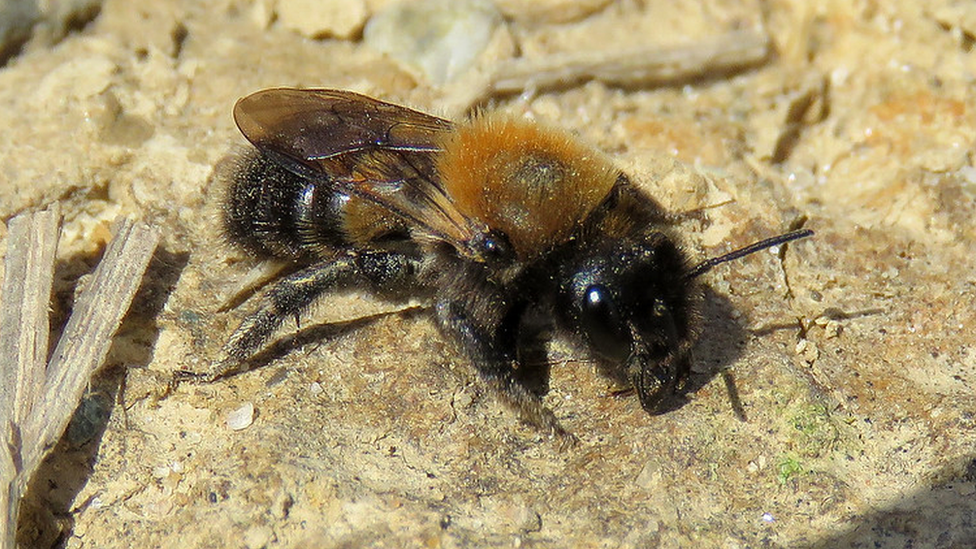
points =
(496, 220)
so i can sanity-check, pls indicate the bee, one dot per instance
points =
(495, 220)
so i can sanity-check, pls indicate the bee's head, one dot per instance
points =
(632, 302)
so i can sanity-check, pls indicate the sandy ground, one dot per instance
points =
(853, 352)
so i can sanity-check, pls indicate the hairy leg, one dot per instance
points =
(292, 295)
(493, 352)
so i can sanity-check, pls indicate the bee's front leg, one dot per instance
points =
(492, 349)
(292, 295)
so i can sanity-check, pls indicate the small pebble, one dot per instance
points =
(321, 18)
(241, 418)
(441, 38)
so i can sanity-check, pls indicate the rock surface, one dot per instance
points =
(853, 352)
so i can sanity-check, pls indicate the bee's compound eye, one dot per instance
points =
(600, 319)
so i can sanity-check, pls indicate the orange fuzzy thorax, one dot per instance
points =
(533, 183)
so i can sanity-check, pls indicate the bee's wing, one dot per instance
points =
(375, 150)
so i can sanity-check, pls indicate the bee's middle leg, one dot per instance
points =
(493, 351)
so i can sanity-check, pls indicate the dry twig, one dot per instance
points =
(645, 66)
(37, 401)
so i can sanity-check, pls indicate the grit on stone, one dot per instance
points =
(852, 352)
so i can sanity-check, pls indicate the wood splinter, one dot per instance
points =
(38, 397)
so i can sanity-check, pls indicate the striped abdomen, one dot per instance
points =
(270, 211)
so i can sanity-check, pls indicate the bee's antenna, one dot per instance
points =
(707, 265)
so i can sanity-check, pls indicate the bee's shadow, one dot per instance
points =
(718, 348)
(310, 337)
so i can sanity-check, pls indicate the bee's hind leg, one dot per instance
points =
(293, 294)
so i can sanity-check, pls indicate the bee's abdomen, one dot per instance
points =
(270, 211)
